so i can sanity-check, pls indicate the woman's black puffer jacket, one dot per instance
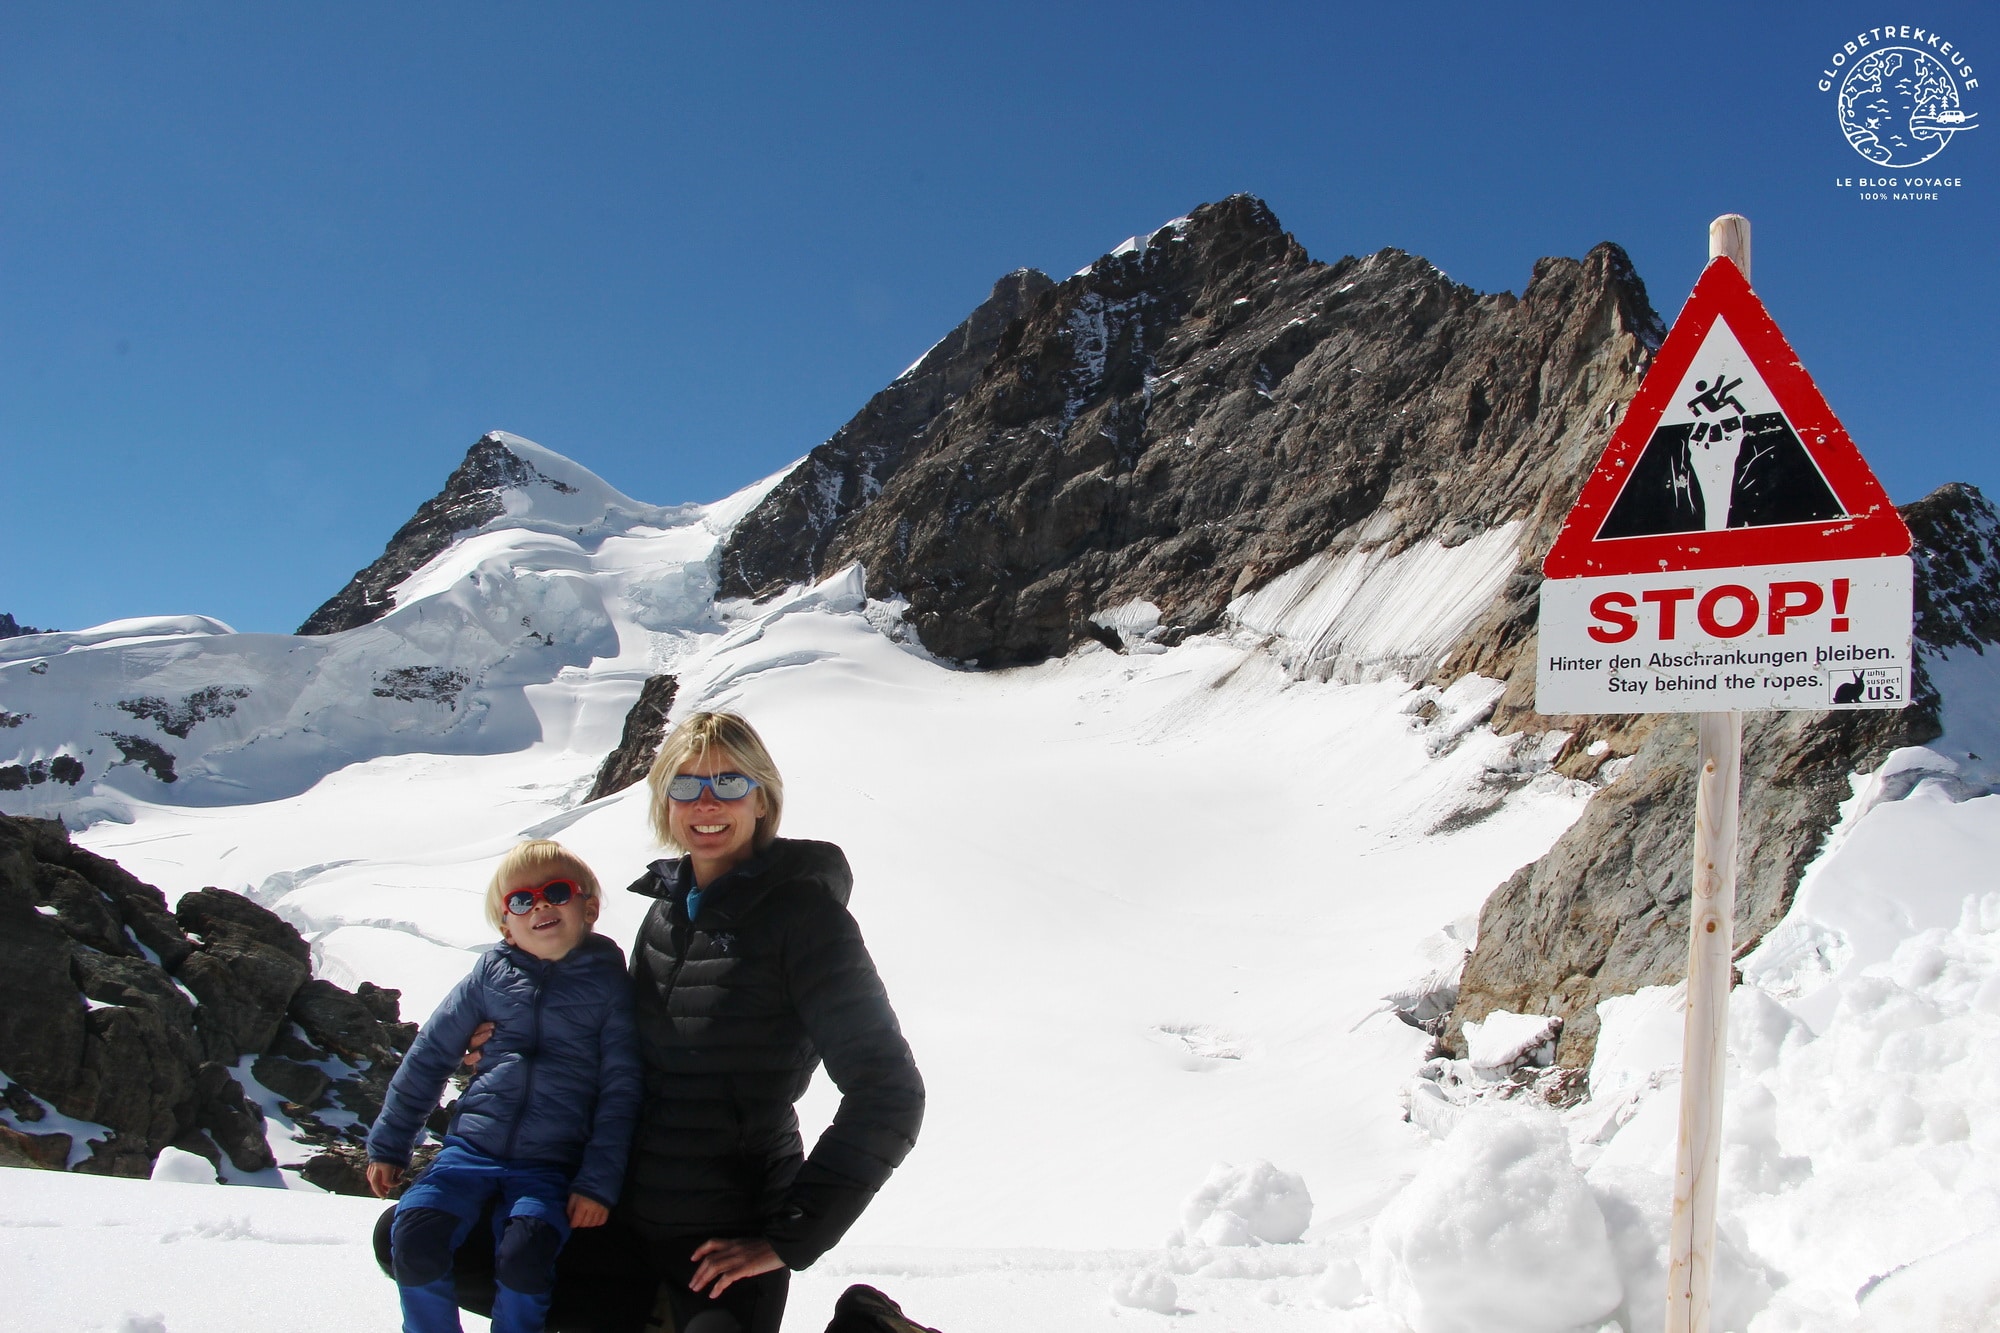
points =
(734, 1013)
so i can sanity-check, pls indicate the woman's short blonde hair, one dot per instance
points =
(700, 733)
(531, 864)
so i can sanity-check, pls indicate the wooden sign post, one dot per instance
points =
(1711, 953)
(1730, 552)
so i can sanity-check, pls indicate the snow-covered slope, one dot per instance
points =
(1163, 893)
(179, 711)
(1138, 912)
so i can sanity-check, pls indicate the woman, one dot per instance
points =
(747, 972)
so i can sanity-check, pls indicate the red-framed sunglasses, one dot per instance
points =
(555, 893)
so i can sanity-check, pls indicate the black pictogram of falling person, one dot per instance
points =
(1713, 399)
(1772, 479)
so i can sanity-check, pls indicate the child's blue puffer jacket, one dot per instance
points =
(557, 1082)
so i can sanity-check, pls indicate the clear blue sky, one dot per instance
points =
(266, 271)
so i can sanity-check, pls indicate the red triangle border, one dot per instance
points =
(1872, 526)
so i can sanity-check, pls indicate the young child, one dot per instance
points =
(547, 1119)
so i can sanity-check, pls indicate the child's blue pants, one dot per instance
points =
(436, 1214)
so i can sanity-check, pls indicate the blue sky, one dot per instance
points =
(267, 271)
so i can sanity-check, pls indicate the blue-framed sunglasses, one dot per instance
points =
(726, 786)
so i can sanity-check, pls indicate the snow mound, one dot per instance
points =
(1498, 1233)
(185, 1168)
(1860, 1188)
(1505, 1040)
(1341, 1285)
(1146, 1289)
(1956, 1288)
(29, 646)
(1247, 1205)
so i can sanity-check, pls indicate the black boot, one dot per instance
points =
(865, 1310)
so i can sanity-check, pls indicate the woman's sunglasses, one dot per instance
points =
(726, 786)
(555, 893)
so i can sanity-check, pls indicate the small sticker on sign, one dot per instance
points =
(1871, 686)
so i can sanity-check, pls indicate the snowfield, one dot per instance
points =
(1141, 914)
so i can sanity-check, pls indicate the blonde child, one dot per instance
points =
(544, 1126)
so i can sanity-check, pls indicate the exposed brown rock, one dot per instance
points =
(50, 1152)
(295, 1082)
(214, 916)
(1186, 420)
(244, 987)
(785, 539)
(645, 728)
(340, 1168)
(339, 1022)
(231, 1119)
(1201, 412)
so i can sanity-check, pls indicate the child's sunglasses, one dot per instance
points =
(726, 786)
(555, 893)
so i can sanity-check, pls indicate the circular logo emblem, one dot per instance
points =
(1899, 107)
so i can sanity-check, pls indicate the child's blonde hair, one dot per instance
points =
(699, 733)
(531, 864)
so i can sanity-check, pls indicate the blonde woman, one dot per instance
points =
(748, 973)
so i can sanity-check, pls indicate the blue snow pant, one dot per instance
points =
(435, 1215)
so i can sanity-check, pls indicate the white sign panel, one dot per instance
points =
(1824, 634)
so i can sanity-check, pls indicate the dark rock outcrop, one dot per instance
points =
(244, 975)
(1957, 553)
(1198, 413)
(645, 728)
(96, 1021)
(470, 499)
(785, 539)
(1605, 911)
(10, 628)
(230, 1119)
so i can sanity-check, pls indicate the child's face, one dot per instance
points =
(547, 931)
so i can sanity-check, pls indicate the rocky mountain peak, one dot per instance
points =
(785, 538)
(470, 499)
(501, 476)
(1202, 410)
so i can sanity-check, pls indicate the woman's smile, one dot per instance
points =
(719, 835)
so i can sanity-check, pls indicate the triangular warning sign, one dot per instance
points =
(1727, 456)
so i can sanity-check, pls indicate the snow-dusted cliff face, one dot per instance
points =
(1206, 408)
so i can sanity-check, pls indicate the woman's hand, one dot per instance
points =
(587, 1212)
(480, 1036)
(383, 1178)
(727, 1261)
